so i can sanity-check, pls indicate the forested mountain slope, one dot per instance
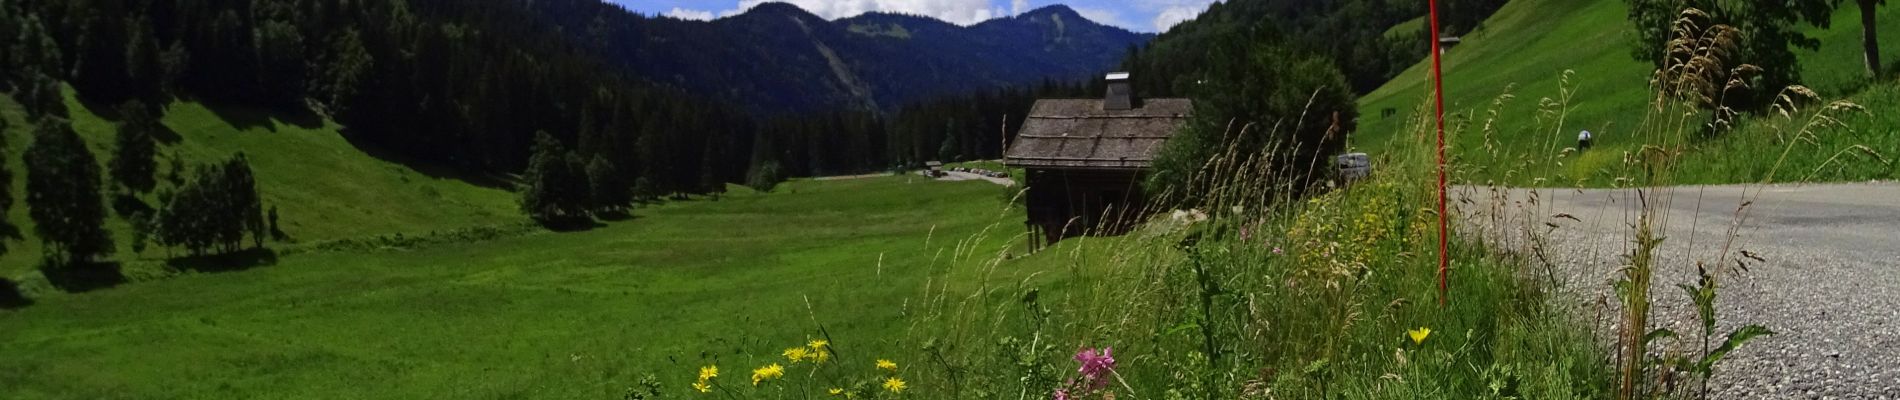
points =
(777, 58)
(1359, 37)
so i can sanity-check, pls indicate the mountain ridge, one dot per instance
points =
(777, 58)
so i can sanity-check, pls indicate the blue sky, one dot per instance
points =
(1135, 15)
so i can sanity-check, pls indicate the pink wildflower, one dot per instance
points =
(1246, 234)
(1095, 366)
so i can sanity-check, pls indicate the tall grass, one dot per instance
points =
(1687, 109)
(1264, 295)
(1275, 290)
(1259, 294)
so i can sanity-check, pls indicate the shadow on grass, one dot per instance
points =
(110, 111)
(572, 224)
(165, 134)
(84, 277)
(245, 117)
(616, 216)
(127, 206)
(227, 262)
(10, 296)
(366, 143)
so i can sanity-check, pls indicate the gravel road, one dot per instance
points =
(1829, 286)
(965, 176)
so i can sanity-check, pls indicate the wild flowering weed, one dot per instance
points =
(1094, 372)
(808, 371)
(1418, 335)
(1678, 121)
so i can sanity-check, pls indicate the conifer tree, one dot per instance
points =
(134, 164)
(7, 229)
(62, 196)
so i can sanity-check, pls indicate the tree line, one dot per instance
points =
(1357, 36)
(469, 85)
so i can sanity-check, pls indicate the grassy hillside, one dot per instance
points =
(575, 315)
(1525, 50)
(324, 187)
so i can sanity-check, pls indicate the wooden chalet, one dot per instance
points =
(1084, 159)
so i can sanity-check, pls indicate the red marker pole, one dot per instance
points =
(1444, 234)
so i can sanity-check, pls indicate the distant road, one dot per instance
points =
(966, 176)
(1829, 286)
(848, 177)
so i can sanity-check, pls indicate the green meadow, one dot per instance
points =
(401, 280)
(547, 315)
(930, 274)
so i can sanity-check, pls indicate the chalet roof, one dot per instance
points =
(1078, 133)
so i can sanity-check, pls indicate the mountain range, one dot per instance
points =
(777, 58)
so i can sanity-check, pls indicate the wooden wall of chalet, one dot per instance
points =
(1068, 202)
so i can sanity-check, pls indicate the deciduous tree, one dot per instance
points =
(214, 210)
(608, 189)
(1283, 112)
(1764, 35)
(556, 187)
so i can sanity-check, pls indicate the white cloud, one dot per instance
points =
(688, 14)
(1168, 13)
(1155, 15)
(962, 12)
(1103, 16)
(1174, 16)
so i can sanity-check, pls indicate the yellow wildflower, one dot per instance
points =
(886, 365)
(894, 385)
(837, 391)
(767, 372)
(796, 354)
(819, 344)
(708, 372)
(1418, 335)
(820, 356)
(702, 386)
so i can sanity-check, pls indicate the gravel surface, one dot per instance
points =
(1829, 285)
(966, 176)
